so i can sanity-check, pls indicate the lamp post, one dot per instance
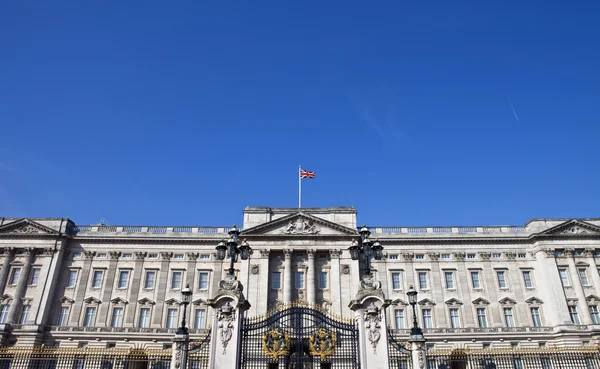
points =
(186, 296)
(415, 331)
(232, 250)
(367, 249)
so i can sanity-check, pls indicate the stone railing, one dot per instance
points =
(154, 230)
(448, 230)
(426, 331)
(123, 330)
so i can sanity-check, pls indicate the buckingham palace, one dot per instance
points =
(68, 285)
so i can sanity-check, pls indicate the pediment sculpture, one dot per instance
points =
(301, 226)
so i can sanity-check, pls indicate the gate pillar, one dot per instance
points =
(369, 311)
(229, 306)
(179, 357)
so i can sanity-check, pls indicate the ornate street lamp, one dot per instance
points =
(231, 249)
(367, 249)
(186, 297)
(415, 331)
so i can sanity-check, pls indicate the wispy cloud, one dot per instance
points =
(513, 109)
(371, 121)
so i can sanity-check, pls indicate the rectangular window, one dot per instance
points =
(150, 277)
(152, 256)
(176, 280)
(205, 257)
(535, 317)
(595, 314)
(427, 318)
(496, 256)
(101, 255)
(90, 316)
(522, 255)
(35, 276)
(123, 279)
(394, 257)
(299, 280)
(399, 318)
(199, 318)
(583, 276)
(574, 315)
(445, 256)
(527, 279)
(203, 280)
(72, 278)
(63, 316)
(454, 319)
(172, 318)
(276, 280)
(509, 318)
(97, 281)
(127, 256)
(470, 256)
(4, 313)
(475, 280)
(564, 279)
(482, 318)
(396, 281)
(501, 279)
(24, 314)
(117, 317)
(14, 277)
(178, 256)
(323, 280)
(423, 280)
(144, 320)
(419, 256)
(449, 280)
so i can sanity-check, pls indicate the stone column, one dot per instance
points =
(162, 284)
(589, 258)
(264, 278)
(418, 350)
(9, 254)
(582, 308)
(54, 273)
(17, 303)
(134, 288)
(437, 291)
(81, 288)
(181, 343)
(490, 291)
(287, 276)
(311, 295)
(335, 281)
(103, 309)
(464, 289)
(547, 280)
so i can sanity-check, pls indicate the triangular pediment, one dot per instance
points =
(507, 301)
(454, 302)
(146, 301)
(199, 302)
(534, 300)
(26, 227)
(119, 301)
(66, 300)
(593, 299)
(91, 300)
(481, 301)
(573, 227)
(6, 297)
(426, 302)
(397, 302)
(173, 302)
(300, 224)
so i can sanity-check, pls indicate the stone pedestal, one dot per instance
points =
(369, 312)
(181, 343)
(229, 306)
(418, 348)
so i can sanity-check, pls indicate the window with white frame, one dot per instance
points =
(527, 279)
(72, 278)
(150, 279)
(35, 276)
(127, 256)
(470, 256)
(396, 281)
(482, 317)
(323, 280)
(14, 276)
(63, 316)
(420, 256)
(90, 316)
(583, 276)
(449, 277)
(595, 314)
(574, 315)
(495, 255)
(4, 313)
(394, 257)
(97, 279)
(423, 285)
(564, 278)
(152, 256)
(199, 318)
(399, 318)
(176, 277)
(276, 280)
(508, 317)
(501, 274)
(123, 279)
(172, 318)
(427, 318)
(475, 279)
(522, 255)
(454, 318)
(203, 280)
(117, 317)
(299, 279)
(178, 256)
(445, 256)
(144, 319)
(24, 314)
(101, 255)
(204, 257)
(535, 317)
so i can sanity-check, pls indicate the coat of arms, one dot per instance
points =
(276, 343)
(322, 343)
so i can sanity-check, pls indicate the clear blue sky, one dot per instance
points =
(186, 112)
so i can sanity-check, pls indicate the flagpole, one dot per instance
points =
(299, 186)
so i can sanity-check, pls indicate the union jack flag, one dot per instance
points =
(306, 174)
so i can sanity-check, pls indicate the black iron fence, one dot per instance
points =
(586, 357)
(400, 356)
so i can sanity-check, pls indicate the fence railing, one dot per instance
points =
(446, 230)
(154, 230)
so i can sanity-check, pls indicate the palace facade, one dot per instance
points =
(481, 286)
